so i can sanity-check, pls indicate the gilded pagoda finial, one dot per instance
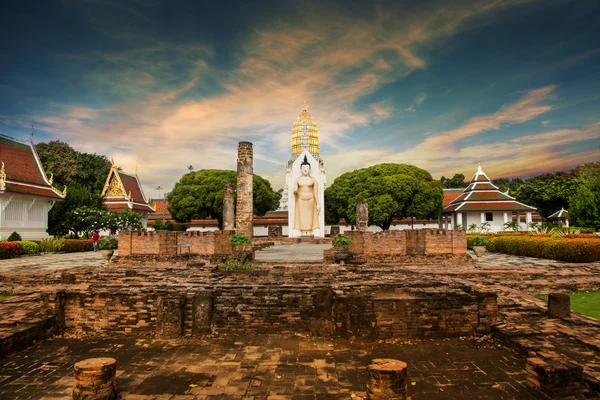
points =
(305, 106)
(2, 177)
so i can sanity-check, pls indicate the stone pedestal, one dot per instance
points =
(202, 313)
(555, 378)
(228, 211)
(169, 320)
(559, 305)
(362, 216)
(386, 379)
(245, 205)
(335, 230)
(95, 379)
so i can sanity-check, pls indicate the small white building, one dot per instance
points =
(26, 194)
(482, 203)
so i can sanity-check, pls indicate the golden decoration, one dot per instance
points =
(115, 189)
(312, 130)
(2, 177)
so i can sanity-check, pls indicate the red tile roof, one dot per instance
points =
(24, 171)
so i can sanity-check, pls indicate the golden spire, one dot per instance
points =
(305, 133)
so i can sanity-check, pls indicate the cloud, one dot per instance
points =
(167, 104)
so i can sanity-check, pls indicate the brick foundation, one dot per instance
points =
(164, 243)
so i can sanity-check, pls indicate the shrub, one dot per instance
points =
(233, 264)
(52, 245)
(108, 243)
(341, 241)
(479, 241)
(180, 227)
(239, 240)
(30, 247)
(10, 249)
(14, 237)
(570, 250)
(76, 246)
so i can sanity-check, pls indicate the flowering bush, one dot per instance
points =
(570, 250)
(10, 249)
(76, 246)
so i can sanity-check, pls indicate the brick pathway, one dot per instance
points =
(266, 367)
(52, 261)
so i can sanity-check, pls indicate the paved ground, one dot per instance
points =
(52, 261)
(266, 367)
(300, 251)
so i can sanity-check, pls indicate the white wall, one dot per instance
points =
(28, 216)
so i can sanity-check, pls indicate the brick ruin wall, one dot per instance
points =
(164, 243)
(406, 245)
(283, 309)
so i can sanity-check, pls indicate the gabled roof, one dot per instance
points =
(21, 171)
(482, 195)
(560, 214)
(123, 191)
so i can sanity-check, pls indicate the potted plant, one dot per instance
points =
(340, 244)
(108, 246)
(240, 244)
(479, 244)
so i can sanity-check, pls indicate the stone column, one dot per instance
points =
(459, 220)
(95, 379)
(559, 305)
(169, 319)
(386, 379)
(245, 205)
(528, 219)
(505, 217)
(362, 216)
(228, 213)
(482, 218)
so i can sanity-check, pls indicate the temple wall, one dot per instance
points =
(164, 243)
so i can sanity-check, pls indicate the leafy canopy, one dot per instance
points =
(199, 194)
(391, 190)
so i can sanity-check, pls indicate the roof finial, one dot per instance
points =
(478, 162)
(31, 134)
(305, 106)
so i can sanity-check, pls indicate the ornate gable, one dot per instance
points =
(114, 188)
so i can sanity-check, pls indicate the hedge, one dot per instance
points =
(30, 247)
(78, 245)
(570, 250)
(10, 249)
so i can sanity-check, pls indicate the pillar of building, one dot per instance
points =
(244, 205)
(386, 379)
(459, 220)
(228, 212)
(519, 219)
(362, 215)
(528, 219)
(482, 217)
(505, 217)
(95, 379)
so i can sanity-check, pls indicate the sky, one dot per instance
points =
(160, 85)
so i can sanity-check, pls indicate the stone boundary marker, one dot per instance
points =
(386, 379)
(95, 379)
(559, 305)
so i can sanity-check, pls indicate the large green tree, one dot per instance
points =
(457, 181)
(584, 204)
(510, 184)
(62, 217)
(68, 165)
(199, 194)
(391, 190)
(548, 192)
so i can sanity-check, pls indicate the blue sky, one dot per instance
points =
(436, 84)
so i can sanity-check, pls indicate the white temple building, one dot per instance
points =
(26, 193)
(482, 203)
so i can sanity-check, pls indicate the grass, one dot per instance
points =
(586, 302)
(4, 296)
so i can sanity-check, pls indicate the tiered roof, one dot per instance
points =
(22, 173)
(482, 195)
(560, 214)
(123, 191)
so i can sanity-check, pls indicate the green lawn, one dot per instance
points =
(587, 303)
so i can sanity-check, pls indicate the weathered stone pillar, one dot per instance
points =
(362, 215)
(559, 305)
(202, 313)
(169, 319)
(95, 379)
(228, 213)
(386, 379)
(245, 205)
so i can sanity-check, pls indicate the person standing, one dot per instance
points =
(95, 240)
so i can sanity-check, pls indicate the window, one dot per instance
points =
(14, 211)
(489, 216)
(36, 213)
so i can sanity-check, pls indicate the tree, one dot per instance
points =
(84, 220)
(457, 181)
(548, 192)
(69, 166)
(391, 190)
(584, 205)
(59, 222)
(125, 220)
(199, 194)
(510, 184)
